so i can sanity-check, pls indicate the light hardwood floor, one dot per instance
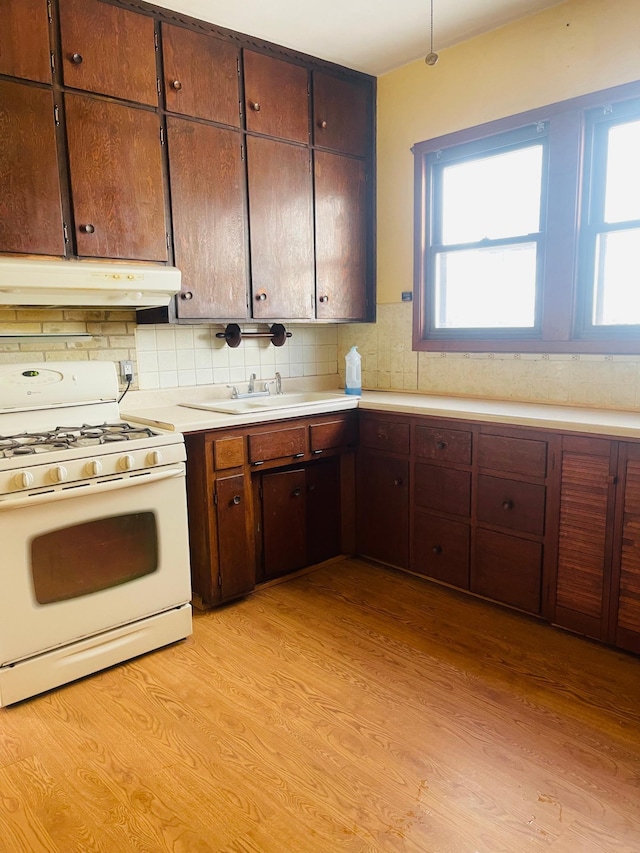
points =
(352, 709)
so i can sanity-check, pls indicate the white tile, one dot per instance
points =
(221, 375)
(310, 369)
(166, 339)
(147, 362)
(296, 371)
(203, 359)
(204, 376)
(184, 337)
(186, 359)
(186, 377)
(236, 374)
(168, 378)
(167, 360)
(145, 339)
(149, 382)
(202, 337)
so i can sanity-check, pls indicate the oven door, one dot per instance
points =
(77, 561)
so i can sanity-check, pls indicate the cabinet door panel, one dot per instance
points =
(237, 566)
(207, 198)
(511, 504)
(116, 180)
(627, 633)
(383, 509)
(584, 561)
(276, 97)
(108, 50)
(280, 214)
(441, 549)
(340, 114)
(30, 211)
(284, 535)
(341, 237)
(24, 40)
(200, 75)
(508, 569)
(323, 510)
(443, 489)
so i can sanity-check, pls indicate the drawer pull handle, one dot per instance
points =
(298, 455)
(297, 493)
(508, 504)
(441, 445)
(397, 481)
(317, 452)
(259, 462)
(437, 549)
(236, 499)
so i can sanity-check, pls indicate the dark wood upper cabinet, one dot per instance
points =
(276, 97)
(116, 180)
(30, 211)
(207, 194)
(281, 229)
(24, 40)
(341, 237)
(108, 50)
(340, 115)
(200, 75)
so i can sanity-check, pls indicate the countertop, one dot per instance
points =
(162, 409)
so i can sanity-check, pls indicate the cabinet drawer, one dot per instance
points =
(513, 455)
(228, 453)
(443, 489)
(277, 443)
(508, 569)
(441, 549)
(511, 504)
(385, 435)
(446, 445)
(331, 434)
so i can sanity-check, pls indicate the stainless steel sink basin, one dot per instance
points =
(274, 402)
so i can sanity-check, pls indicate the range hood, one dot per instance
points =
(103, 284)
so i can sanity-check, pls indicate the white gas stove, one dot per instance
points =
(94, 528)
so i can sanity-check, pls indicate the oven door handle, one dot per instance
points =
(91, 489)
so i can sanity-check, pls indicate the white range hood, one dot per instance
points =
(104, 284)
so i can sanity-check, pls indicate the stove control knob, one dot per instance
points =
(154, 458)
(58, 474)
(126, 462)
(24, 479)
(93, 467)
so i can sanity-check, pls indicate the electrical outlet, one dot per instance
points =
(126, 371)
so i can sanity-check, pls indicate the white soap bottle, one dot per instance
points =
(353, 384)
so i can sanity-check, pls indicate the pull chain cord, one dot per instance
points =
(431, 58)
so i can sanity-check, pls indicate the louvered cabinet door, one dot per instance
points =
(587, 493)
(626, 580)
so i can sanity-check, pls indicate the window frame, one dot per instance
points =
(561, 325)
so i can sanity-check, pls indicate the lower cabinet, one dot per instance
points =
(383, 509)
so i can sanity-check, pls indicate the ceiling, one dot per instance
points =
(373, 36)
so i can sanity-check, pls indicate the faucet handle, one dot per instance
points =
(278, 383)
(252, 383)
(234, 391)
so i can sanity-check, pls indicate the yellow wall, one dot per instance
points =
(576, 47)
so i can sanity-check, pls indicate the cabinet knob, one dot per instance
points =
(508, 504)
(297, 493)
(323, 298)
(236, 500)
(77, 58)
(177, 85)
(261, 296)
(441, 445)
(88, 228)
(255, 106)
(322, 124)
(186, 294)
(397, 481)
(437, 549)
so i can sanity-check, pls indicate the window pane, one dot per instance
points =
(622, 198)
(617, 279)
(492, 197)
(486, 288)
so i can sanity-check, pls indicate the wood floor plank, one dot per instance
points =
(351, 709)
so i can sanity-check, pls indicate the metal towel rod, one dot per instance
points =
(233, 334)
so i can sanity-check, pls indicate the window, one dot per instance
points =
(528, 231)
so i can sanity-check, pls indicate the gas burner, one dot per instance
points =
(67, 437)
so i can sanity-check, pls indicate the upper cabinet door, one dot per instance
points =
(108, 50)
(30, 212)
(116, 180)
(200, 75)
(340, 115)
(24, 39)
(209, 219)
(276, 97)
(341, 237)
(281, 229)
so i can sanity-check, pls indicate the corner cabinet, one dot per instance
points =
(160, 138)
(267, 500)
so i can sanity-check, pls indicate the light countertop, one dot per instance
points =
(163, 409)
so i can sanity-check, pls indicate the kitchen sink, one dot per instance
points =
(275, 402)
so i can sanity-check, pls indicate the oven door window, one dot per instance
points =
(74, 561)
